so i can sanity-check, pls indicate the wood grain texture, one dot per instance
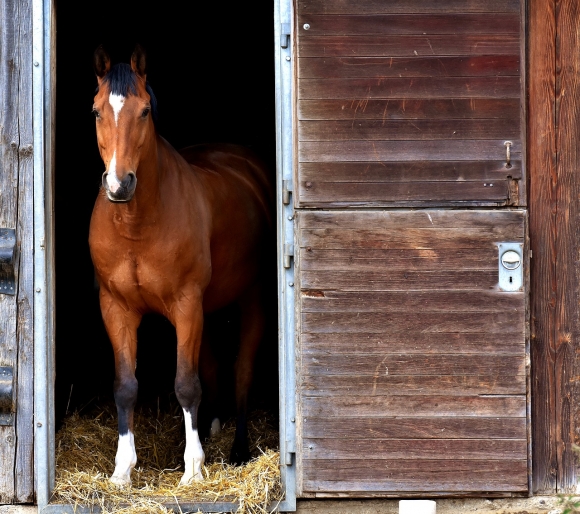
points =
(382, 337)
(404, 24)
(317, 385)
(415, 428)
(415, 406)
(411, 171)
(383, 67)
(413, 130)
(24, 464)
(567, 244)
(451, 63)
(418, 475)
(407, 449)
(409, 88)
(408, 6)
(417, 109)
(16, 176)
(409, 45)
(357, 151)
(543, 207)
(320, 194)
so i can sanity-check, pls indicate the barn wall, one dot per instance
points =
(16, 182)
(553, 164)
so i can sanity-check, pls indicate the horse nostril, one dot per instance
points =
(128, 181)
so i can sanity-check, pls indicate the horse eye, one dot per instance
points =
(145, 112)
(96, 113)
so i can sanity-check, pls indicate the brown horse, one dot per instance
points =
(180, 234)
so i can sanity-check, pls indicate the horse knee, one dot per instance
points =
(188, 390)
(126, 389)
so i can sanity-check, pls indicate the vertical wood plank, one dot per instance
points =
(9, 162)
(542, 187)
(567, 244)
(24, 465)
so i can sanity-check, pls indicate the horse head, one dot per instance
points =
(123, 109)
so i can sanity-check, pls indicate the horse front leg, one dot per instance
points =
(189, 326)
(121, 326)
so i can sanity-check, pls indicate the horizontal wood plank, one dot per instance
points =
(415, 428)
(411, 171)
(384, 45)
(412, 342)
(413, 238)
(407, 6)
(409, 88)
(418, 260)
(375, 365)
(383, 67)
(399, 281)
(412, 130)
(433, 193)
(438, 385)
(438, 476)
(377, 151)
(407, 24)
(411, 109)
(405, 449)
(414, 406)
(512, 222)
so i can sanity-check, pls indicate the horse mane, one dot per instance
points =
(122, 80)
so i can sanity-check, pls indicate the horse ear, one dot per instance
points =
(101, 63)
(139, 61)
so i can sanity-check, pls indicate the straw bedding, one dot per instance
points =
(85, 457)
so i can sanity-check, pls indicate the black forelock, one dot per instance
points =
(122, 80)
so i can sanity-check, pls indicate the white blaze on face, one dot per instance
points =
(193, 456)
(125, 459)
(112, 180)
(117, 102)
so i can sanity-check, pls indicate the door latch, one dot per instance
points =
(6, 395)
(511, 266)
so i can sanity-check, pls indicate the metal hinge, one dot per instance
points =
(284, 35)
(6, 395)
(288, 255)
(286, 191)
(290, 451)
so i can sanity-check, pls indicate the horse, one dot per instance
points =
(181, 234)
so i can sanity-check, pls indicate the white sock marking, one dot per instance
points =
(193, 456)
(112, 180)
(117, 102)
(125, 459)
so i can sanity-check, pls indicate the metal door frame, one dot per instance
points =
(43, 91)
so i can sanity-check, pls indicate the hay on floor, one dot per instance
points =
(85, 458)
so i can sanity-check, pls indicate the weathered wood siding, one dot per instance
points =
(16, 211)
(409, 103)
(412, 364)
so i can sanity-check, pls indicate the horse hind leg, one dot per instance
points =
(252, 331)
(208, 368)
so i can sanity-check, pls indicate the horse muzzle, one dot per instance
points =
(119, 191)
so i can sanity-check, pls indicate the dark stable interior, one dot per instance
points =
(211, 66)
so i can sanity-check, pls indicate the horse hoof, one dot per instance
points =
(186, 480)
(120, 481)
(239, 454)
(215, 428)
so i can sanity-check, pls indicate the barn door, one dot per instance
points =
(412, 356)
(16, 255)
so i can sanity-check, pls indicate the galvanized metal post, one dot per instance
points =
(43, 363)
(283, 51)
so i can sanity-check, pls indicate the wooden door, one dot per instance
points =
(412, 370)
(412, 362)
(16, 212)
